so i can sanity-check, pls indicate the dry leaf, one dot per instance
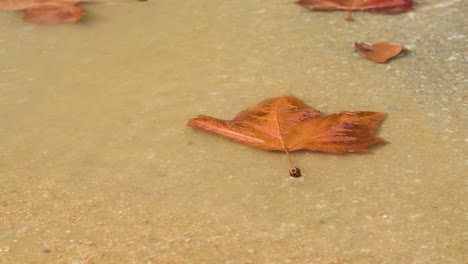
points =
(379, 52)
(375, 6)
(47, 12)
(51, 15)
(286, 124)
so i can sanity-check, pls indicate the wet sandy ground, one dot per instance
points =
(97, 165)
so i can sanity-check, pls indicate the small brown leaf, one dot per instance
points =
(48, 12)
(286, 124)
(51, 15)
(379, 52)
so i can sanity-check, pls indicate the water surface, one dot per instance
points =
(97, 165)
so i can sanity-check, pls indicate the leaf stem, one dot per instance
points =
(350, 11)
(350, 15)
(293, 171)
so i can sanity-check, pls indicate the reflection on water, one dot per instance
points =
(97, 165)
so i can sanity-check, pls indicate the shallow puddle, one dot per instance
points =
(97, 165)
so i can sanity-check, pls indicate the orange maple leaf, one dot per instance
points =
(286, 124)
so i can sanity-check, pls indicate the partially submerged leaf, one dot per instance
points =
(379, 52)
(286, 124)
